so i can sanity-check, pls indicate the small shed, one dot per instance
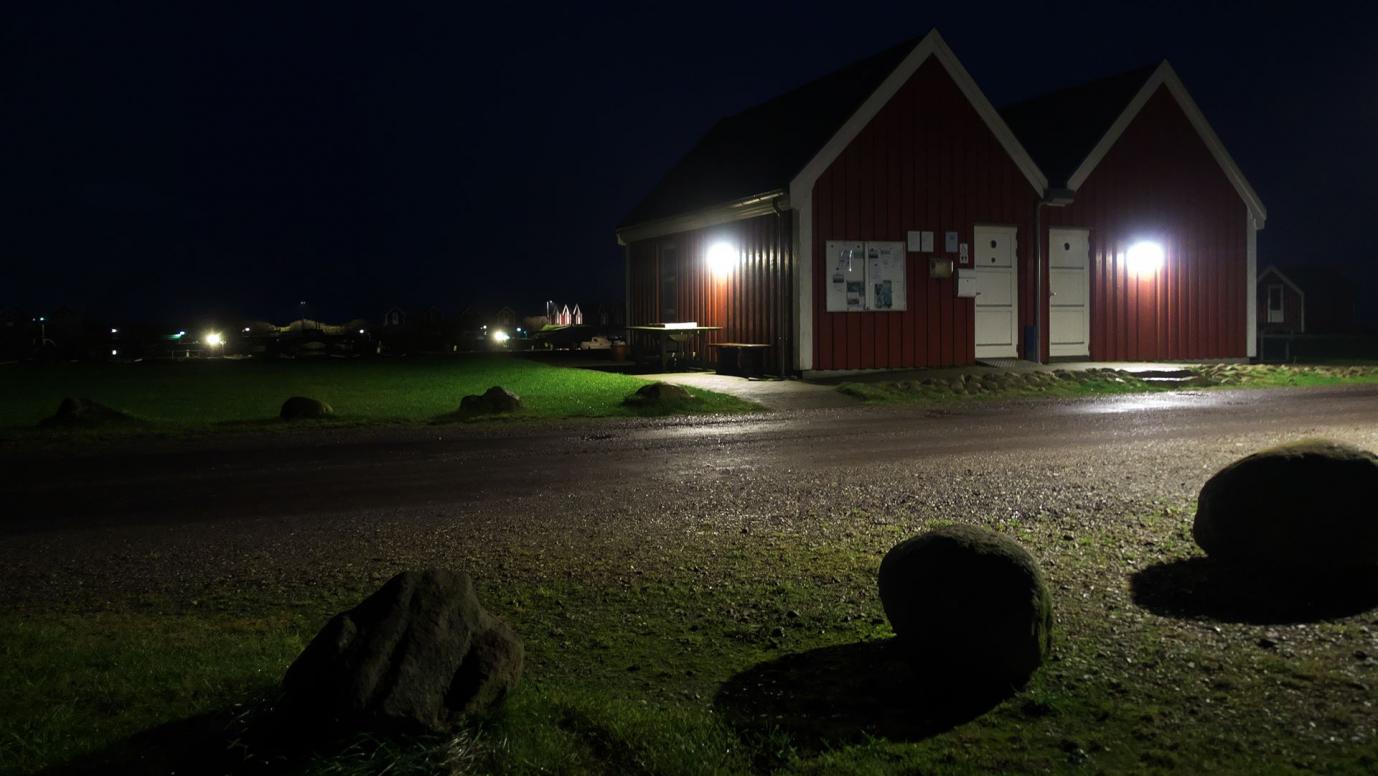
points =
(1305, 300)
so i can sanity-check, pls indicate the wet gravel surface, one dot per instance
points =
(288, 516)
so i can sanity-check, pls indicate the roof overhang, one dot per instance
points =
(1286, 280)
(1165, 76)
(932, 46)
(737, 210)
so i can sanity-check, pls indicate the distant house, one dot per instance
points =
(1305, 300)
(475, 317)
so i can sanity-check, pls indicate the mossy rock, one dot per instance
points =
(494, 401)
(86, 413)
(1307, 504)
(659, 394)
(970, 599)
(305, 408)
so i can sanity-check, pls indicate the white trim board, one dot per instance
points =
(1164, 75)
(933, 46)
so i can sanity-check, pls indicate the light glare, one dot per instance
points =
(1145, 257)
(214, 339)
(500, 336)
(721, 257)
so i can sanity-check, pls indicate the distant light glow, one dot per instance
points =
(1145, 257)
(246, 329)
(722, 256)
(114, 352)
(361, 331)
(114, 331)
(214, 339)
(500, 336)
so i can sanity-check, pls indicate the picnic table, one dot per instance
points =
(664, 333)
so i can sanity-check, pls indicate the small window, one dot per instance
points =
(1275, 310)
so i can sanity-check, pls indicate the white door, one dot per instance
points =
(997, 294)
(1069, 292)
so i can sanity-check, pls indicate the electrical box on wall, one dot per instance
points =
(939, 267)
(966, 283)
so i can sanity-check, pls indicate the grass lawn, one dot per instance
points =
(1099, 382)
(753, 657)
(201, 395)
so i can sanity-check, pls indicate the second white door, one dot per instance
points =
(1069, 286)
(997, 298)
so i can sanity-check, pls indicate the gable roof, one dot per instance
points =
(760, 149)
(1070, 150)
(1060, 128)
(747, 161)
(1327, 281)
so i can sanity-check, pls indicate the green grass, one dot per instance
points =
(205, 394)
(624, 669)
(1099, 382)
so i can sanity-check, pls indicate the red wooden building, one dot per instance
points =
(888, 216)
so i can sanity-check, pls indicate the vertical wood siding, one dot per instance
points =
(1160, 182)
(925, 162)
(752, 302)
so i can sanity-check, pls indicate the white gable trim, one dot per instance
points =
(1164, 75)
(934, 46)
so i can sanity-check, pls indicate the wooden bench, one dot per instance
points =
(743, 359)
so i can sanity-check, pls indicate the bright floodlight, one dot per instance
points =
(721, 257)
(1145, 257)
(214, 339)
(500, 336)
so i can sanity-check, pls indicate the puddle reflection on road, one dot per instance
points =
(1145, 403)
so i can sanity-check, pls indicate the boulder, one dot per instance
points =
(659, 393)
(304, 408)
(85, 413)
(969, 599)
(418, 655)
(494, 401)
(1305, 504)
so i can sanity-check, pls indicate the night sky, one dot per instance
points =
(205, 160)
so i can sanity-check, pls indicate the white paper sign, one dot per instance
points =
(846, 275)
(885, 276)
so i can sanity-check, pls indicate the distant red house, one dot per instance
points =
(888, 216)
(1305, 300)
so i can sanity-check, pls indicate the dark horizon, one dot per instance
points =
(222, 163)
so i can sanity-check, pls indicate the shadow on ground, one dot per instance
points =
(844, 694)
(239, 741)
(1201, 587)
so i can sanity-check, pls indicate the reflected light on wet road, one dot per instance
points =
(1147, 403)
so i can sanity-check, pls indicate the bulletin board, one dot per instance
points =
(846, 275)
(885, 276)
(866, 276)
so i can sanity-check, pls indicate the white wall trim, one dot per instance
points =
(803, 281)
(1164, 75)
(726, 213)
(1251, 305)
(934, 46)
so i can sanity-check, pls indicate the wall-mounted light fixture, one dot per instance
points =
(1145, 258)
(722, 257)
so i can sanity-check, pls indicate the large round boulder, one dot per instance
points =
(85, 413)
(494, 401)
(305, 408)
(969, 599)
(655, 394)
(418, 655)
(1305, 504)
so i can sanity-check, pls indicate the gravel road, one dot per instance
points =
(289, 512)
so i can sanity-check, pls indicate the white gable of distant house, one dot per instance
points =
(577, 316)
